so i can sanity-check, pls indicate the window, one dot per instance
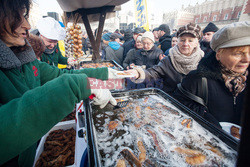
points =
(215, 17)
(196, 20)
(239, 13)
(226, 17)
(205, 19)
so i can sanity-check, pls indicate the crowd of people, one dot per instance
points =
(205, 69)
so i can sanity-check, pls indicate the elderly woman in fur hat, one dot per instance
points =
(220, 80)
(183, 58)
(34, 96)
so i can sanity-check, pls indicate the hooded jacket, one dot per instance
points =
(127, 46)
(30, 104)
(221, 104)
(114, 52)
(165, 42)
(130, 58)
(148, 58)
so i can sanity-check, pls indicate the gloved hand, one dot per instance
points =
(139, 74)
(71, 61)
(102, 97)
(113, 74)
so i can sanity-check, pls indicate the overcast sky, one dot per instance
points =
(153, 5)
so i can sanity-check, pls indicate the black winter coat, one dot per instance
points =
(165, 42)
(205, 47)
(148, 58)
(221, 105)
(127, 46)
(130, 58)
(166, 73)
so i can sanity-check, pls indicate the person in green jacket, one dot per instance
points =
(35, 96)
(50, 31)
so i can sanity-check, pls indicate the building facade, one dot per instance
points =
(220, 12)
(245, 16)
(35, 14)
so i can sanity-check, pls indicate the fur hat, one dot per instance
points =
(211, 27)
(37, 45)
(232, 35)
(149, 35)
(165, 28)
(190, 28)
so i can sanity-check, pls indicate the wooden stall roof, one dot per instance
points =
(91, 11)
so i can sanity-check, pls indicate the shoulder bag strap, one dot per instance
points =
(191, 95)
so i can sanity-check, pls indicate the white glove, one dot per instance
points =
(113, 74)
(102, 97)
(71, 61)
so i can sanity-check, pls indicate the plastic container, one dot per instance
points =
(80, 144)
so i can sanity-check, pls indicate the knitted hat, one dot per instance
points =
(149, 35)
(211, 27)
(165, 28)
(190, 28)
(139, 38)
(51, 29)
(232, 35)
(106, 36)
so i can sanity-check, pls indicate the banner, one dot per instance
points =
(141, 14)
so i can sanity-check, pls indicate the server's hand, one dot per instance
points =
(113, 74)
(102, 97)
(71, 61)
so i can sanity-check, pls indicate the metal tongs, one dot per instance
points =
(120, 104)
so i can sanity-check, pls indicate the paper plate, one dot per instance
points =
(226, 126)
(124, 74)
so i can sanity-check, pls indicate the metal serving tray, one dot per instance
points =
(117, 66)
(93, 151)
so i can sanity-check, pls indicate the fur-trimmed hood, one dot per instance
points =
(208, 67)
(10, 60)
(37, 45)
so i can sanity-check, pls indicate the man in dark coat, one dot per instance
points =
(131, 44)
(164, 37)
(208, 33)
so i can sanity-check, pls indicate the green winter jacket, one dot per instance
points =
(34, 96)
(54, 58)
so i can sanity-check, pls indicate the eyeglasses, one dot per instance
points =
(147, 43)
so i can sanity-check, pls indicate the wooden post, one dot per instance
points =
(96, 54)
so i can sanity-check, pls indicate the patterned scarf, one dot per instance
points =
(184, 64)
(235, 82)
